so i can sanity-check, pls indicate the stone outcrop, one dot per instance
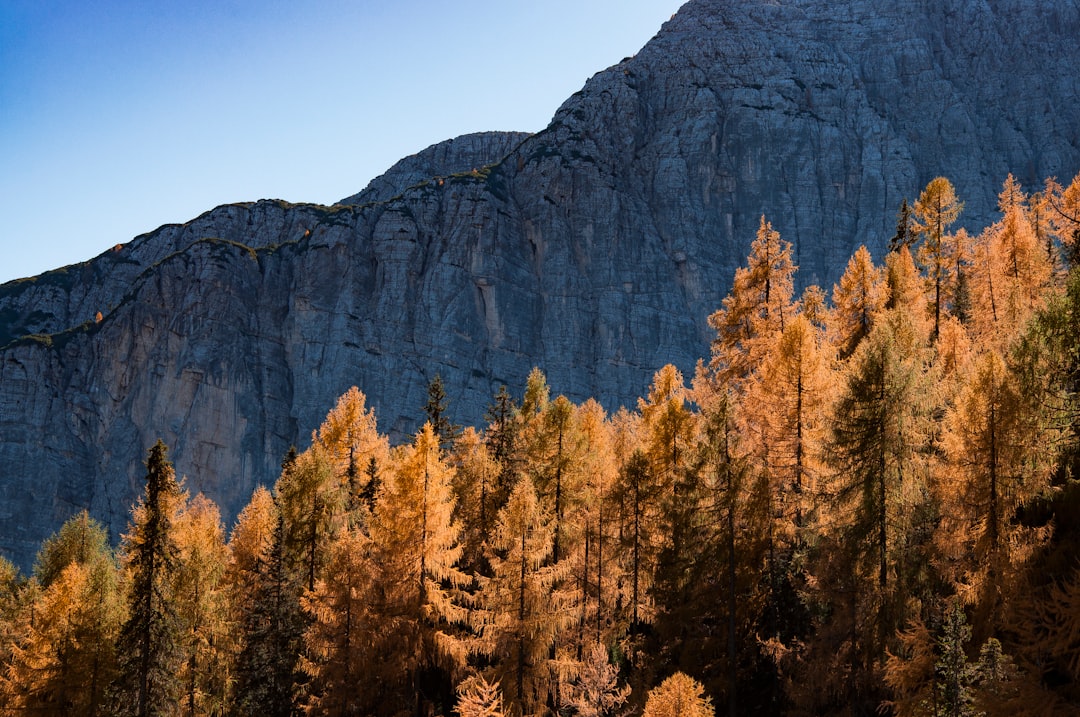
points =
(594, 249)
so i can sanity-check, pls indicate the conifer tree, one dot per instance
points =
(678, 696)
(148, 682)
(993, 468)
(936, 209)
(435, 408)
(268, 601)
(1064, 216)
(311, 500)
(595, 692)
(201, 601)
(793, 398)
(479, 698)
(858, 299)
(597, 569)
(64, 659)
(417, 548)
(338, 643)
(554, 447)
(81, 539)
(522, 610)
(903, 236)
(637, 492)
(537, 395)
(907, 301)
(1021, 264)
(727, 595)
(878, 423)
(474, 485)
(352, 446)
(667, 425)
(910, 671)
(759, 303)
(959, 253)
(502, 439)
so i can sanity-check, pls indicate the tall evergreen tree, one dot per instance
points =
(270, 619)
(903, 236)
(435, 408)
(147, 649)
(878, 427)
(502, 439)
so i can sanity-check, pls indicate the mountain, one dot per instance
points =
(594, 249)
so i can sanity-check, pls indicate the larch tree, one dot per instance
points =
(201, 600)
(147, 649)
(907, 297)
(596, 692)
(417, 548)
(338, 658)
(958, 249)
(1021, 262)
(759, 303)
(65, 658)
(1063, 205)
(475, 506)
(992, 468)
(522, 610)
(1010, 271)
(858, 299)
(1039, 212)
(596, 568)
(678, 696)
(730, 597)
(638, 492)
(81, 539)
(668, 433)
(350, 442)
(311, 500)
(667, 425)
(555, 451)
(793, 394)
(1048, 372)
(936, 209)
(479, 698)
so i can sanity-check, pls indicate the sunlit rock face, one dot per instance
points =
(594, 249)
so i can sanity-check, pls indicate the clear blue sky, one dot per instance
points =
(119, 116)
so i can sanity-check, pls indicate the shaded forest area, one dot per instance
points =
(859, 504)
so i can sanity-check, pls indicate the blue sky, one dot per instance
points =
(118, 117)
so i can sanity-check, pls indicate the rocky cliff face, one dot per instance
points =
(594, 249)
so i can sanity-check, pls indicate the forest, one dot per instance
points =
(861, 503)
